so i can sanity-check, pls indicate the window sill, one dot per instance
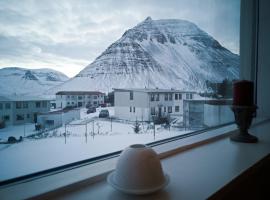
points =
(81, 177)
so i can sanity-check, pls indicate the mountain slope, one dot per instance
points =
(15, 80)
(158, 53)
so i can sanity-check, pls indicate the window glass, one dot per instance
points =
(178, 57)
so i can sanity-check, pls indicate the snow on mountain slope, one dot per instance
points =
(168, 53)
(14, 80)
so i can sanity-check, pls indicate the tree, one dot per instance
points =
(137, 127)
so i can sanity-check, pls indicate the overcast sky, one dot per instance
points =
(67, 35)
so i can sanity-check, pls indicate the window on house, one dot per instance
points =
(180, 96)
(176, 108)
(38, 104)
(166, 97)
(20, 117)
(164, 108)
(191, 96)
(176, 96)
(152, 97)
(131, 95)
(80, 97)
(130, 109)
(134, 109)
(153, 111)
(170, 97)
(6, 118)
(95, 97)
(44, 104)
(169, 109)
(8, 106)
(18, 105)
(157, 97)
(25, 104)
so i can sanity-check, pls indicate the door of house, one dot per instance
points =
(159, 111)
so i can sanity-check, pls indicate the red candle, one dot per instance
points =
(243, 92)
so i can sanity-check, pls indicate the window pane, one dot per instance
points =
(166, 65)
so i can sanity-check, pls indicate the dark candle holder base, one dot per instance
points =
(243, 118)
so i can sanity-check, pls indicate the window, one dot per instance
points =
(44, 104)
(166, 97)
(6, 118)
(25, 104)
(18, 105)
(170, 97)
(153, 111)
(152, 97)
(157, 97)
(163, 64)
(8, 106)
(169, 109)
(20, 117)
(131, 95)
(38, 104)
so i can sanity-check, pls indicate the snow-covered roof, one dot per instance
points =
(23, 98)
(79, 93)
(148, 90)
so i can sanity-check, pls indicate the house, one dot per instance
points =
(79, 98)
(206, 113)
(58, 118)
(22, 109)
(144, 104)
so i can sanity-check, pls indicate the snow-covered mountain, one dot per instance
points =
(167, 53)
(21, 81)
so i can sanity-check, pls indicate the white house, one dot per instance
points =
(22, 109)
(144, 104)
(79, 98)
(58, 118)
(207, 113)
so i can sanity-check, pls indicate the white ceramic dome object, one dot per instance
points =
(138, 171)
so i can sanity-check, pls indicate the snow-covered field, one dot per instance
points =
(52, 150)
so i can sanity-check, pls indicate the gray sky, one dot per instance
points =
(67, 35)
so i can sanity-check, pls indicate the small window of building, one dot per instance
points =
(180, 96)
(8, 106)
(37, 104)
(191, 96)
(18, 105)
(152, 98)
(169, 109)
(134, 109)
(80, 97)
(164, 108)
(25, 104)
(95, 97)
(19, 117)
(68, 103)
(6, 118)
(73, 103)
(130, 109)
(187, 96)
(176, 108)
(166, 97)
(152, 110)
(157, 97)
(44, 104)
(68, 96)
(170, 97)
(176, 96)
(131, 95)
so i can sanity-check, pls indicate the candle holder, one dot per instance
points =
(243, 117)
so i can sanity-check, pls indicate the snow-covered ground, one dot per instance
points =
(52, 150)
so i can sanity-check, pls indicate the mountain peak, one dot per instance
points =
(148, 19)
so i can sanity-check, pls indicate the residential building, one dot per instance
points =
(79, 98)
(22, 109)
(58, 118)
(206, 113)
(144, 104)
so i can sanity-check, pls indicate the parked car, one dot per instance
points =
(91, 110)
(103, 105)
(104, 113)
